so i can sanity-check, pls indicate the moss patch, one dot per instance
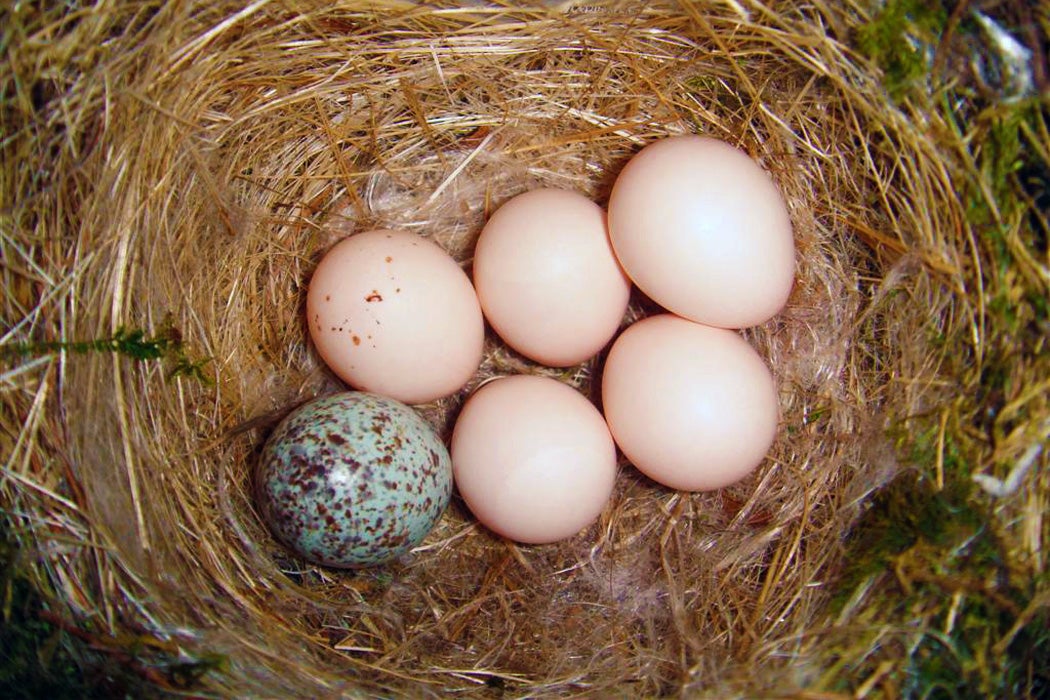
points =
(899, 39)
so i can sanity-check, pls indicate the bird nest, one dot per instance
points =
(172, 172)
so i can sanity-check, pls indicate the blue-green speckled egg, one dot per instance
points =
(353, 480)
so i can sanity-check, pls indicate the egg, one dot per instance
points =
(381, 300)
(691, 406)
(352, 480)
(533, 459)
(703, 230)
(547, 278)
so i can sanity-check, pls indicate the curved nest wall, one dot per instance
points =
(173, 171)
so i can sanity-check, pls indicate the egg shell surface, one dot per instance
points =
(703, 230)
(379, 301)
(533, 459)
(353, 480)
(547, 278)
(691, 406)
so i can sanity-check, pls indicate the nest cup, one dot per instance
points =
(206, 156)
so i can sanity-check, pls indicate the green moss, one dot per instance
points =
(940, 573)
(33, 663)
(39, 659)
(1009, 173)
(910, 518)
(1026, 672)
(1000, 156)
(899, 39)
(35, 656)
(166, 345)
(1040, 305)
(963, 663)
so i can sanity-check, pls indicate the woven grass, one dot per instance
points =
(173, 171)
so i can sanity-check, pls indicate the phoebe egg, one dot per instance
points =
(353, 480)
(547, 278)
(381, 300)
(703, 230)
(691, 406)
(533, 459)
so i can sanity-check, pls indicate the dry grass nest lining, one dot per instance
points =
(205, 157)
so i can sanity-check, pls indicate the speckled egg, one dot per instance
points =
(353, 480)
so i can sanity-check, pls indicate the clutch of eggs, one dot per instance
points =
(695, 223)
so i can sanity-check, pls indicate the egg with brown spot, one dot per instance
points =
(401, 292)
(353, 480)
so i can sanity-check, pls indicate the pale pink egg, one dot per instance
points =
(533, 459)
(703, 230)
(547, 278)
(392, 313)
(691, 406)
